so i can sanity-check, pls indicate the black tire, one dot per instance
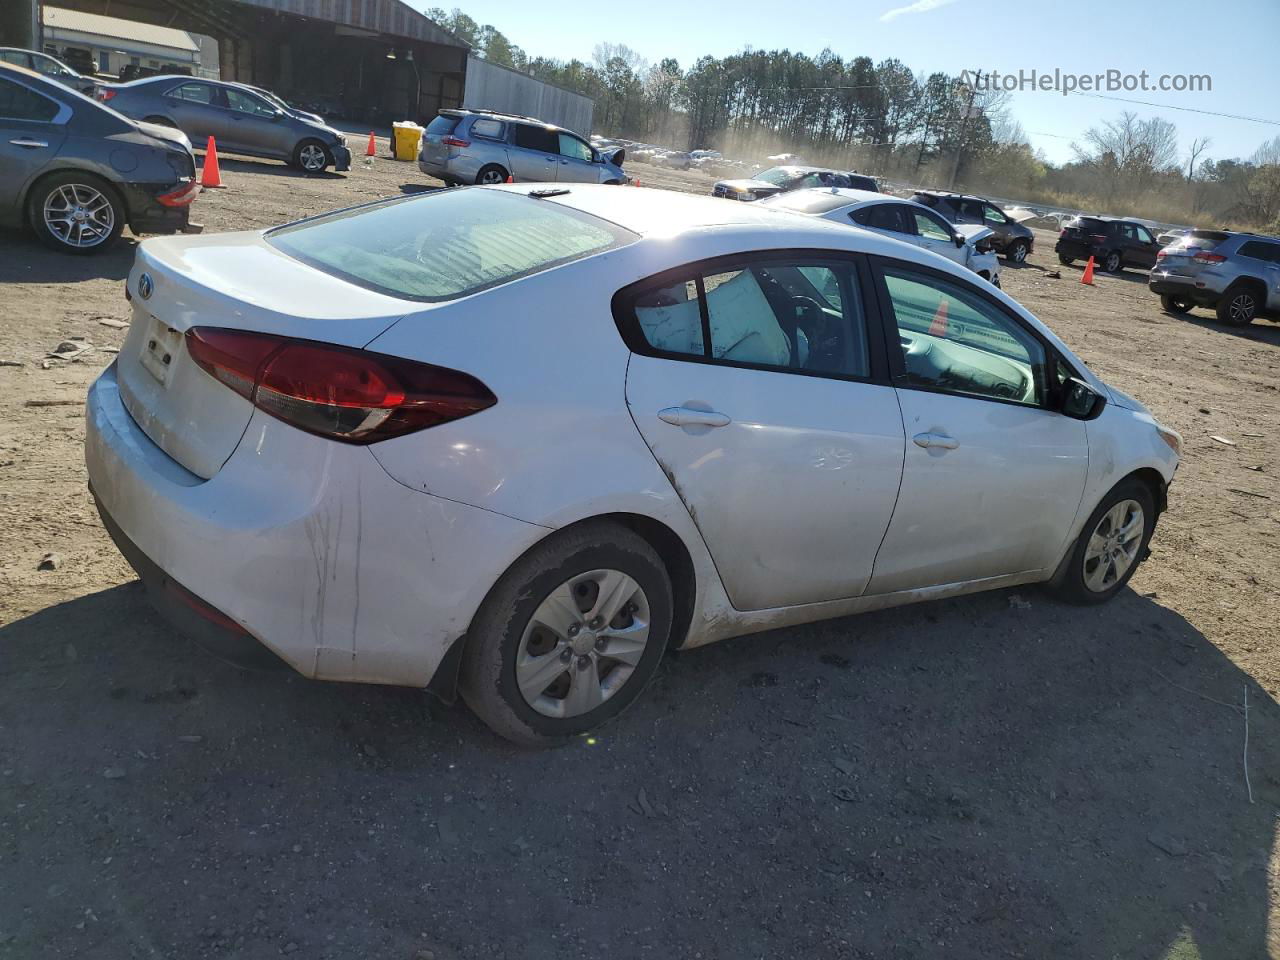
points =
(1070, 583)
(1066, 261)
(307, 158)
(1016, 252)
(1239, 305)
(492, 174)
(488, 674)
(1112, 262)
(45, 188)
(1172, 304)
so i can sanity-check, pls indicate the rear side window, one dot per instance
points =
(443, 125)
(19, 103)
(795, 316)
(1260, 250)
(490, 129)
(883, 216)
(537, 138)
(448, 244)
(194, 93)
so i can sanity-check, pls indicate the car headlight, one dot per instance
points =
(1172, 438)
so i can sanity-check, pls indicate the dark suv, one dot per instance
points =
(1009, 237)
(1235, 274)
(77, 172)
(1114, 244)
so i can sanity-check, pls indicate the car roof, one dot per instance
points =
(500, 115)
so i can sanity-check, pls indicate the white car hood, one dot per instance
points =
(973, 232)
(1122, 399)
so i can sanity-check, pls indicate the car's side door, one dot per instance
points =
(1263, 257)
(578, 162)
(535, 153)
(993, 474)
(256, 127)
(935, 234)
(1145, 247)
(968, 211)
(196, 108)
(759, 386)
(32, 129)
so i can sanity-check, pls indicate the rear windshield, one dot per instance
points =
(1089, 223)
(808, 201)
(859, 182)
(1201, 239)
(443, 125)
(446, 244)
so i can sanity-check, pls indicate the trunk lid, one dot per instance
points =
(433, 150)
(233, 280)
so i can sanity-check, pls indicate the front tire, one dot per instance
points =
(1111, 263)
(76, 213)
(1172, 304)
(569, 636)
(1017, 252)
(312, 156)
(1111, 544)
(1238, 306)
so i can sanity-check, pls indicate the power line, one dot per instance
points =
(1169, 106)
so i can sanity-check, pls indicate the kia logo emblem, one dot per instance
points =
(145, 286)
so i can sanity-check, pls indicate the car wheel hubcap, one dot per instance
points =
(1113, 263)
(312, 157)
(492, 176)
(1019, 253)
(1113, 546)
(78, 215)
(582, 643)
(1242, 307)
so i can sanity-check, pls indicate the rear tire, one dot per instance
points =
(74, 212)
(1172, 304)
(1112, 262)
(1111, 544)
(492, 174)
(312, 156)
(537, 617)
(1238, 306)
(1066, 261)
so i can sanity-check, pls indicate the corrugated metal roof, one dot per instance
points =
(100, 26)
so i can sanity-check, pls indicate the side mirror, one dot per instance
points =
(957, 239)
(1080, 401)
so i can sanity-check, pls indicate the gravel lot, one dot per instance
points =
(993, 776)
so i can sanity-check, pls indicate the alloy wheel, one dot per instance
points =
(582, 643)
(312, 157)
(79, 215)
(1113, 545)
(1112, 262)
(492, 176)
(1019, 252)
(1242, 307)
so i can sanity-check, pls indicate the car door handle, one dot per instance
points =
(29, 143)
(940, 440)
(688, 417)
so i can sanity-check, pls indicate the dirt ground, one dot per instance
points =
(993, 776)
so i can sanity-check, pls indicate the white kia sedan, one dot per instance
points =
(966, 244)
(519, 441)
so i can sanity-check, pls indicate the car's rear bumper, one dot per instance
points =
(148, 215)
(1075, 249)
(1184, 287)
(305, 545)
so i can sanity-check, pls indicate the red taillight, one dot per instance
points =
(455, 142)
(1160, 255)
(1209, 258)
(185, 194)
(1063, 233)
(105, 95)
(336, 392)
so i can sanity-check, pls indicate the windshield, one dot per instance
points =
(778, 176)
(448, 244)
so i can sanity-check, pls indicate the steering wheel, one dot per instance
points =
(825, 351)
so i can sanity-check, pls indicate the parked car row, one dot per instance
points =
(775, 180)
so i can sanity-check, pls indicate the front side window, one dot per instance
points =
(243, 102)
(1144, 235)
(440, 246)
(930, 227)
(794, 316)
(20, 57)
(571, 146)
(992, 215)
(954, 340)
(194, 93)
(19, 103)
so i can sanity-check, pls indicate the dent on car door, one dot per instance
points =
(754, 382)
(992, 475)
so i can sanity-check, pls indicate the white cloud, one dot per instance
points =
(920, 6)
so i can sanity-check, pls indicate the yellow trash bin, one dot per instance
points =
(407, 136)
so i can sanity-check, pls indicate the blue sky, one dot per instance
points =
(1233, 42)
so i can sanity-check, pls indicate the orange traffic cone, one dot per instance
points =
(210, 175)
(636, 182)
(939, 326)
(510, 179)
(1088, 273)
(371, 150)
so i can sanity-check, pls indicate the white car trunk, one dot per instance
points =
(229, 280)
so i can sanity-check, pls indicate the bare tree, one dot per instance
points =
(1198, 147)
(1136, 146)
